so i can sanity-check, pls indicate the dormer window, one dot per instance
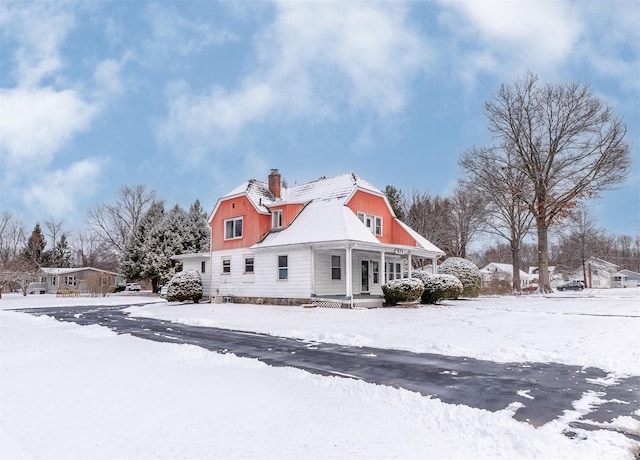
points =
(233, 229)
(373, 223)
(276, 219)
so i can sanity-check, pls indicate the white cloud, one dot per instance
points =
(39, 28)
(507, 37)
(172, 34)
(58, 192)
(37, 122)
(316, 60)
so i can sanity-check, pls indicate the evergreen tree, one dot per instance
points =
(196, 238)
(396, 200)
(136, 248)
(165, 239)
(34, 249)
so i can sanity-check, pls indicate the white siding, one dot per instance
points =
(264, 280)
(324, 285)
(196, 264)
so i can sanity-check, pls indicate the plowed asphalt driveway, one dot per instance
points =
(537, 392)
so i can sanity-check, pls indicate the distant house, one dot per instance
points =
(51, 280)
(554, 278)
(598, 273)
(333, 239)
(625, 278)
(497, 271)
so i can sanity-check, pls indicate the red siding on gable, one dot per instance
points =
(254, 225)
(289, 212)
(392, 232)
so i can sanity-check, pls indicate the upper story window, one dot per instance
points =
(233, 228)
(276, 219)
(373, 223)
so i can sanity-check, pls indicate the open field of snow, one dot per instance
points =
(84, 392)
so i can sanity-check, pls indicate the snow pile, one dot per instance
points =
(466, 271)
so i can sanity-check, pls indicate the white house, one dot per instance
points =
(498, 271)
(50, 280)
(598, 273)
(331, 240)
(625, 278)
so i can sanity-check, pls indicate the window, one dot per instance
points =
(203, 267)
(283, 267)
(376, 272)
(233, 228)
(226, 266)
(248, 265)
(373, 223)
(335, 268)
(390, 271)
(378, 227)
(398, 271)
(276, 219)
(53, 281)
(70, 280)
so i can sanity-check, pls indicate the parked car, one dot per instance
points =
(571, 286)
(132, 287)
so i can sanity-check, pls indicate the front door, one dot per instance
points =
(365, 276)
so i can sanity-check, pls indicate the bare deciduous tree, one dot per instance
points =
(467, 217)
(115, 223)
(430, 217)
(494, 174)
(566, 141)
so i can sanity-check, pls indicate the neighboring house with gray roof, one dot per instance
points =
(51, 280)
(333, 238)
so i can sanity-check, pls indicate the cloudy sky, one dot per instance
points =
(191, 98)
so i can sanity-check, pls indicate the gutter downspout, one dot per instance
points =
(210, 264)
(349, 276)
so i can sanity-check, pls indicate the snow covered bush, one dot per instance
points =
(466, 271)
(186, 285)
(403, 290)
(439, 287)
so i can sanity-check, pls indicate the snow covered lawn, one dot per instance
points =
(84, 392)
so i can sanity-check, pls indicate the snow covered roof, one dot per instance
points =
(421, 240)
(65, 271)
(333, 188)
(311, 225)
(324, 202)
(503, 268)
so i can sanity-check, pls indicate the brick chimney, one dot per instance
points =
(274, 183)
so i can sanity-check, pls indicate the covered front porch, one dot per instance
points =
(353, 273)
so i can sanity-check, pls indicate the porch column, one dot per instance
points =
(409, 265)
(383, 269)
(434, 265)
(348, 274)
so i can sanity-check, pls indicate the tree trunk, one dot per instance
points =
(515, 262)
(544, 285)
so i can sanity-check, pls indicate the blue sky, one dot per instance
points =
(191, 98)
